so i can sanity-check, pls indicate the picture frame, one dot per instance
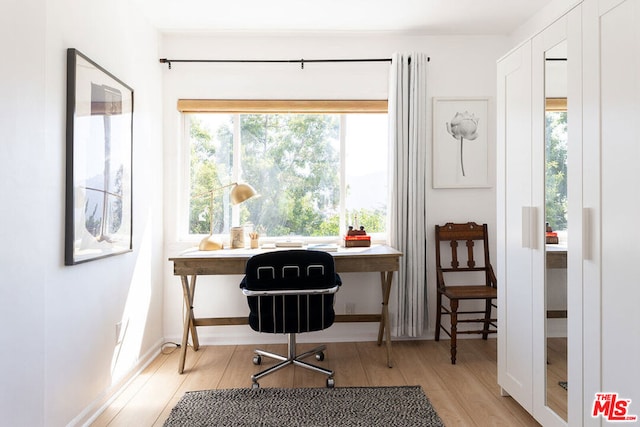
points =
(99, 151)
(460, 143)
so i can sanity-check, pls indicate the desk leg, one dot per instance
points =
(385, 328)
(187, 294)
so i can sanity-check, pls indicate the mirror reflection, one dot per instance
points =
(556, 217)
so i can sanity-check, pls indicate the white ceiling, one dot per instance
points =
(438, 17)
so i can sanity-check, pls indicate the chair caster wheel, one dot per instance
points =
(255, 386)
(320, 356)
(331, 383)
(257, 359)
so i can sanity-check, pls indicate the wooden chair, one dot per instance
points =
(467, 234)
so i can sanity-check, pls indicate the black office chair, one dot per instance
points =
(289, 292)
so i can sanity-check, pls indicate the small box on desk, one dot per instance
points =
(351, 242)
(356, 238)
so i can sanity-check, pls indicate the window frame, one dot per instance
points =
(253, 106)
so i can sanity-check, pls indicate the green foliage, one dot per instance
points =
(556, 170)
(291, 161)
(372, 220)
(329, 227)
(204, 178)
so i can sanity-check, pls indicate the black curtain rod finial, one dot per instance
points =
(165, 61)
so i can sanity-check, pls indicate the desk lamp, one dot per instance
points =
(239, 193)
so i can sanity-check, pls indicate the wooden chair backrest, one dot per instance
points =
(463, 260)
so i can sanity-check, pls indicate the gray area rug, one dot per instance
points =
(340, 406)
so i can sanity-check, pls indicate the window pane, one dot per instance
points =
(366, 171)
(293, 162)
(211, 162)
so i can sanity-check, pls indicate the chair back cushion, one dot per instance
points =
(290, 270)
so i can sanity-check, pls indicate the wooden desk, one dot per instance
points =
(556, 258)
(190, 265)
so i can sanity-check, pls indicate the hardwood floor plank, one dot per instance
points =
(344, 359)
(374, 360)
(150, 400)
(129, 392)
(415, 360)
(205, 375)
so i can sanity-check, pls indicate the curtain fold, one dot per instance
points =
(407, 216)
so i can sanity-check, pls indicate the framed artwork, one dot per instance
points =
(98, 218)
(460, 146)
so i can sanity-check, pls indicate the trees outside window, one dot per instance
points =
(556, 169)
(295, 162)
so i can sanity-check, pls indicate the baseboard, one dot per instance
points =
(93, 411)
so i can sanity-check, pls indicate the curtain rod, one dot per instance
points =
(290, 61)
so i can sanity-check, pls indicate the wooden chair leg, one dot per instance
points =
(454, 329)
(438, 315)
(487, 319)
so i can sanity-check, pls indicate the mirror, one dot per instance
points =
(556, 217)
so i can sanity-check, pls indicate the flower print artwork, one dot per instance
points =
(461, 148)
(463, 126)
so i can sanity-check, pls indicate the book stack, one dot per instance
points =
(550, 237)
(357, 238)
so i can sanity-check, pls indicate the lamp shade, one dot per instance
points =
(241, 192)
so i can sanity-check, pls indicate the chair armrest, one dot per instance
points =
(258, 293)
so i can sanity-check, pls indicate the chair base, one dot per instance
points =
(291, 359)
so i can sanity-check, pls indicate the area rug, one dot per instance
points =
(341, 406)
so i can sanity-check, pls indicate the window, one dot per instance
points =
(318, 168)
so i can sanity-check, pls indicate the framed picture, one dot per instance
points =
(98, 216)
(460, 146)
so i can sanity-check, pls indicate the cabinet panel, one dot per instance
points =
(620, 209)
(514, 213)
(524, 149)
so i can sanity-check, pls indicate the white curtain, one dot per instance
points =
(407, 216)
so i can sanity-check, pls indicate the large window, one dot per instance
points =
(316, 172)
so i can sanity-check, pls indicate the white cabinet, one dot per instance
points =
(612, 154)
(522, 86)
(603, 304)
(514, 264)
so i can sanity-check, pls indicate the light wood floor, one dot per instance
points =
(465, 394)
(556, 372)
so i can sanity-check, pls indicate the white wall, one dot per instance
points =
(59, 322)
(22, 286)
(460, 66)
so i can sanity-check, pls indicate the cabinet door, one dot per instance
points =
(514, 217)
(620, 203)
(557, 178)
